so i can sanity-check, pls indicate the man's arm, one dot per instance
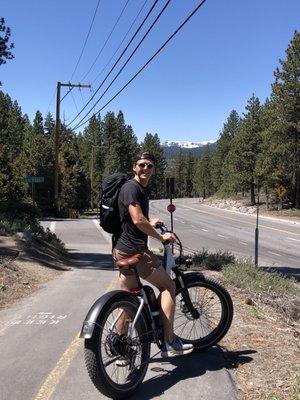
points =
(144, 225)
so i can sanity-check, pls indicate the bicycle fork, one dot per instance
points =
(186, 297)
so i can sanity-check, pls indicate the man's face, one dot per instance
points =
(144, 169)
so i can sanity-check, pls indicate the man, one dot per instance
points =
(136, 225)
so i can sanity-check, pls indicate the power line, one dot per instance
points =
(133, 22)
(136, 32)
(86, 39)
(111, 32)
(124, 65)
(148, 62)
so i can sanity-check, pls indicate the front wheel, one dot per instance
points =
(117, 362)
(214, 313)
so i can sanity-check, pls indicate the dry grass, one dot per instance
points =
(267, 367)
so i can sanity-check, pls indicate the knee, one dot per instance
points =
(171, 288)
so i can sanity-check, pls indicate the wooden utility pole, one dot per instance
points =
(57, 138)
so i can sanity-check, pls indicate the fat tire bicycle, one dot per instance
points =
(120, 326)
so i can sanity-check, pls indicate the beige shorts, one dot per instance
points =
(147, 264)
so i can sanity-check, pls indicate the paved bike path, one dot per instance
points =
(44, 360)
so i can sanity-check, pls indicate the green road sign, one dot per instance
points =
(34, 179)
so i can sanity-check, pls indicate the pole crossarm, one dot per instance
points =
(75, 85)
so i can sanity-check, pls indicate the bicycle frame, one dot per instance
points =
(145, 300)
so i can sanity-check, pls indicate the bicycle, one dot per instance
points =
(120, 326)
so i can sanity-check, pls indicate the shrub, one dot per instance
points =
(213, 261)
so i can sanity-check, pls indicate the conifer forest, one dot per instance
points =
(256, 151)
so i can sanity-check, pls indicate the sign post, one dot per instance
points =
(281, 191)
(256, 231)
(170, 187)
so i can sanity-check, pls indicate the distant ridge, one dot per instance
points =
(171, 148)
(186, 144)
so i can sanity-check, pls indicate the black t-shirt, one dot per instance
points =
(132, 239)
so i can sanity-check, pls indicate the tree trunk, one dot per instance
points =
(267, 200)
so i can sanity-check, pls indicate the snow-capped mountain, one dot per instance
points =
(185, 144)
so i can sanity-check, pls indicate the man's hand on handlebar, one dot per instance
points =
(168, 237)
(156, 222)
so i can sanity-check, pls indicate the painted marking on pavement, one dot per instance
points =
(49, 385)
(244, 222)
(41, 318)
(52, 226)
(296, 240)
(222, 236)
(204, 230)
(106, 235)
(244, 243)
(276, 254)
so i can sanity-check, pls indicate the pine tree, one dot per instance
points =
(120, 144)
(5, 46)
(223, 146)
(152, 145)
(179, 167)
(286, 100)
(189, 174)
(202, 178)
(38, 124)
(241, 160)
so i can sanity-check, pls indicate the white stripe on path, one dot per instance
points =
(276, 254)
(204, 230)
(106, 235)
(244, 243)
(52, 226)
(297, 240)
(222, 236)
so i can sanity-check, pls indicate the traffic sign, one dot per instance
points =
(281, 191)
(171, 208)
(34, 179)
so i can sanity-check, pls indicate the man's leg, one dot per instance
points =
(127, 282)
(167, 288)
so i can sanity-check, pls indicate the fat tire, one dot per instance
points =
(92, 356)
(226, 317)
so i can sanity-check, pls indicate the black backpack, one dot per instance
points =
(108, 206)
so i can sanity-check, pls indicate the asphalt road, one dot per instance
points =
(214, 229)
(42, 356)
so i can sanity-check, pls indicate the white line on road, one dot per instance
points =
(244, 243)
(276, 254)
(52, 226)
(204, 230)
(297, 240)
(222, 236)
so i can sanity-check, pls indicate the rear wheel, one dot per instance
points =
(214, 317)
(115, 362)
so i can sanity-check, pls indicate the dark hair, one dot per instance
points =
(144, 155)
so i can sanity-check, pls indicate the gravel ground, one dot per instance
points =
(21, 273)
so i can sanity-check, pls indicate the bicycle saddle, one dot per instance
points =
(127, 262)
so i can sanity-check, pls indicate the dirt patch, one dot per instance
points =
(24, 267)
(263, 351)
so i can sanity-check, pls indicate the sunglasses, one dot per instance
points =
(144, 165)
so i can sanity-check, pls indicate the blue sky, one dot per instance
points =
(228, 51)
